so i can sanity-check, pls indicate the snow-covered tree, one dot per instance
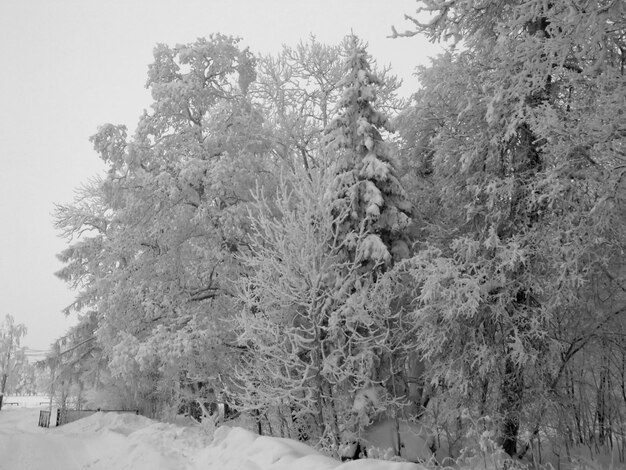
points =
(11, 334)
(23, 379)
(323, 340)
(318, 334)
(153, 241)
(521, 130)
(286, 305)
(366, 189)
(297, 91)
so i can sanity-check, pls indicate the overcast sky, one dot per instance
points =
(69, 66)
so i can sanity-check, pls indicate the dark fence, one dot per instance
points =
(67, 416)
(44, 419)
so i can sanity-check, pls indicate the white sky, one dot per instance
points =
(68, 66)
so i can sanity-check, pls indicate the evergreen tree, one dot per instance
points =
(322, 338)
(297, 90)
(366, 187)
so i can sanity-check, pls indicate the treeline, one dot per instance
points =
(18, 376)
(287, 232)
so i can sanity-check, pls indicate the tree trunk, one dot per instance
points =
(4, 383)
(5, 375)
(510, 406)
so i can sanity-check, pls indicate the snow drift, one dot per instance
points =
(126, 441)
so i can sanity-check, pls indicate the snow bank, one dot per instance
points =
(127, 441)
(122, 423)
(239, 449)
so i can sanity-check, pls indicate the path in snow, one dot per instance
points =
(25, 446)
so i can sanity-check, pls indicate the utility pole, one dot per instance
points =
(54, 361)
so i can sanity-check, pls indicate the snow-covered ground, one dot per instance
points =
(107, 441)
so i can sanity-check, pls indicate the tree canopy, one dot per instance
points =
(285, 233)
